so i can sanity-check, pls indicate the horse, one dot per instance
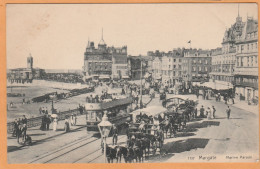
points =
(130, 154)
(118, 153)
(110, 154)
(124, 153)
(146, 144)
(138, 152)
(167, 127)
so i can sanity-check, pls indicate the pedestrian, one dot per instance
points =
(55, 123)
(19, 132)
(196, 113)
(23, 131)
(15, 129)
(71, 120)
(213, 112)
(67, 125)
(43, 110)
(197, 93)
(228, 111)
(209, 113)
(115, 134)
(24, 120)
(48, 122)
(75, 119)
(202, 112)
(43, 126)
(46, 110)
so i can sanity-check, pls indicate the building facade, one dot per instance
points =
(246, 64)
(138, 66)
(104, 62)
(22, 75)
(119, 63)
(224, 63)
(157, 68)
(196, 65)
(172, 68)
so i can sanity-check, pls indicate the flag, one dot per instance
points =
(189, 41)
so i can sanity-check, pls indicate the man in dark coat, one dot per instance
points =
(24, 120)
(115, 134)
(202, 112)
(228, 111)
(48, 122)
(16, 127)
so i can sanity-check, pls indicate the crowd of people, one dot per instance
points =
(20, 131)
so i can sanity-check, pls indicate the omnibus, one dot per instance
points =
(117, 112)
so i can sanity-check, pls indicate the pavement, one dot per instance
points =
(217, 136)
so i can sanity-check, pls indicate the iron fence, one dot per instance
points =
(37, 121)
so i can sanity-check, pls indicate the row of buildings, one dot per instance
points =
(235, 64)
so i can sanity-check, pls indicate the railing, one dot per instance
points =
(37, 121)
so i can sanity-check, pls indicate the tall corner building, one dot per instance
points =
(236, 62)
(103, 62)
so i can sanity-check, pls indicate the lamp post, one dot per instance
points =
(104, 128)
(141, 99)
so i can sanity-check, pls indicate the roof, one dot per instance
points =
(102, 42)
(151, 111)
(140, 57)
(252, 26)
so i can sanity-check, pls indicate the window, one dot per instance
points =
(247, 61)
(174, 60)
(174, 66)
(242, 48)
(206, 69)
(179, 60)
(247, 46)
(199, 68)
(238, 61)
(169, 66)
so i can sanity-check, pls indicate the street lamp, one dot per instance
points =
(104, 128)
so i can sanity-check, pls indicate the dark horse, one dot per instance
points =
(138, 151)
(110, 154)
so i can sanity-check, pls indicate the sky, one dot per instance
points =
(56, 35)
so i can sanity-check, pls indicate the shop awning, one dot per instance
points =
(104, 77)
(125, 77)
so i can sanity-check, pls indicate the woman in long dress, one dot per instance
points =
(67, 125)
(55, 123)
(209, 113)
